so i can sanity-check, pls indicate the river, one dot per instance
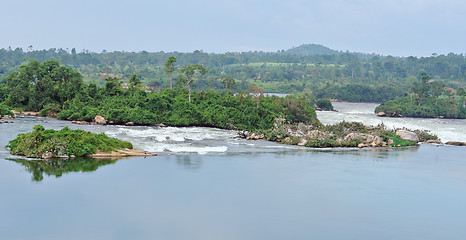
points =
(208, 185)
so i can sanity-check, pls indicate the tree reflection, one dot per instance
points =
(189, 162)
(57, 167)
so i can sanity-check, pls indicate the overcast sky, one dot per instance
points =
(391, 27)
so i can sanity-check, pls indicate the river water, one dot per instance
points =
(446, 129)
(208, 185)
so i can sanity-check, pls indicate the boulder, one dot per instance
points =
(378, 141)
(79, 122)
(30, 113)
(454, 143)
(100, 120)
(255, 137)
(302, 142)
(287, 140)
(381, 114)
(352, 136)
(436, 141)
(407, 135)
(318, 134)
(129, 124)
(369, 138)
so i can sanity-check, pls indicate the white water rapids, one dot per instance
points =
(445, 129)
(174, 140)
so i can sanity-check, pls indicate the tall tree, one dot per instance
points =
(229, 83)
(437, 89)
(190, 73)
(421, 87)
(170, 68)
(113, 86)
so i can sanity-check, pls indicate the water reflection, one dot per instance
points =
(57, 167)
(379, 152)
(189, 162)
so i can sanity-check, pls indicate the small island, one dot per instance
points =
(67, 143)
(343, 134)
(427, 98)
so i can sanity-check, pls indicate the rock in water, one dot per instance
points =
(100, 120)
(453, 143)
(407, 135)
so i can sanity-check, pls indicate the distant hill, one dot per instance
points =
(310, 49)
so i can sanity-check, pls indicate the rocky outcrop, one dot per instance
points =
(100, 120)
(246, 135)
(407, 135)
(435, 141)
(367, 140)
(28, 113)
(122, 153)
(7, 117)
(454, 143)
(80, 122)
(343, 134)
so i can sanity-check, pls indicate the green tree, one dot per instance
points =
(437, 89)
(190, 73)
(170, 68)
(113, 86)
(37, 84)
(135, 82)
(229, 83)
(462, 94)
(421, 87)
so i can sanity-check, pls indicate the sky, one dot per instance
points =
(393, 27)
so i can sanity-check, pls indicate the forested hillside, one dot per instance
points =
(307, 68)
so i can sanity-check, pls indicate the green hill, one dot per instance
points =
(310, 49)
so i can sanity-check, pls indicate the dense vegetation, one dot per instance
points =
(59, 91)
(42, 143)
(427, 98)
(5, 110)
(307, 68)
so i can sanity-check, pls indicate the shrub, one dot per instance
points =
(5, 110)
(324, 104)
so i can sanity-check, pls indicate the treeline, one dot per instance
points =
(427, 98)
(59, 91)
(380, 78)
